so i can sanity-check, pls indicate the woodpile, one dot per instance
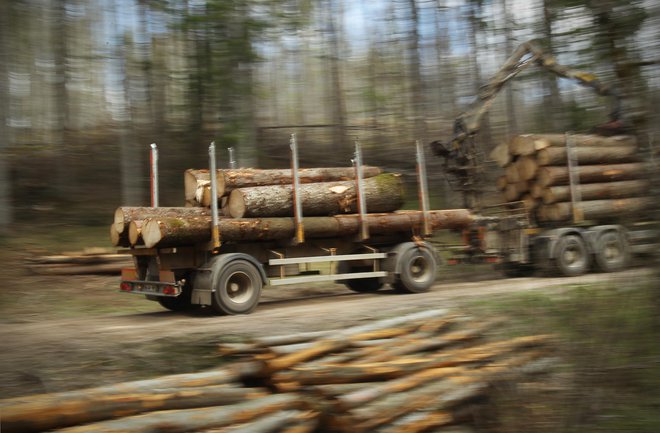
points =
(410, 373)
(611, 179)
(258, 205)
(74, 263)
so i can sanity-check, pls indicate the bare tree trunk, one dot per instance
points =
(334, 16)
(5, 178)
(510, 89)
(416, 80)
(553, 98)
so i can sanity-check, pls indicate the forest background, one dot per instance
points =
(87, 85)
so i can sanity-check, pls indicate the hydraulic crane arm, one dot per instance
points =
(460, 152)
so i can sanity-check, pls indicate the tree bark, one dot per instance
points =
(125, 214)
(195, 419)
(528, 144)
(599, 209)
(549, 176)
(47, 411)
(588, 155)
(597, 191)
(383, 193)
(163, 232)
(197, 182)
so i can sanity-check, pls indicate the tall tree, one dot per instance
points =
(6, 204)
(416, 79)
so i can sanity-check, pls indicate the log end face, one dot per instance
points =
(236, 204)
(151, 233)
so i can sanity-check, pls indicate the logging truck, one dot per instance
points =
(570, 202)
(276, 227)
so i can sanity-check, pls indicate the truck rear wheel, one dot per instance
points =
(417, 270)
(612, 253)
(571, 256)
(237, 288)
(360, 285)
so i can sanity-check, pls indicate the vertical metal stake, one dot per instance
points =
(423, 189)
(154, 175)
(297, 203)
(362, 204)
(232, 160)
(574, 180)
(215, 230)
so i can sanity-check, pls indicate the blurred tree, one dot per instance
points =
(334, 14)
(6, 205)
(552, 98)
(416, 79)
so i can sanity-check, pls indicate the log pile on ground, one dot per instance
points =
(611, 178)
(258, 205)
(93, 261)
(411, 373)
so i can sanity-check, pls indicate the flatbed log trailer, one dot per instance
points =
(229, 276)
(508, 233)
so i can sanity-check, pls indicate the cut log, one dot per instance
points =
(528, 144)
(500, 154)
(501, 183)
(549, 176)
(599, 209)
(527, 167)
(588, 155)
(135, 232)
(171, 232)
(511, 173)
(511, 192)
(59, 411)
(597, 191)
(187, 420)
(124, 215)
(197, 182)
(118, 239)
(383, 193)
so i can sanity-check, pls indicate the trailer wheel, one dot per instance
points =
(183, 301)
(180, 303)
(417, 270)
(612, 252)
(237, 288)
(517, 270)
(360, 285)
(571, 256)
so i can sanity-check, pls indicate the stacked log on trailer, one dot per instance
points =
(258, 205)
(610, 179)
(415, 372)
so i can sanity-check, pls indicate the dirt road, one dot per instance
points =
(57, 355)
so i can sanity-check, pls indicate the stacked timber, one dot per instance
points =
(259, 205)
(76, 263)
(416, 372)
(610, 179)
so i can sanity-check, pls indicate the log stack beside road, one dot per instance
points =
(611, 179)
(411, 373)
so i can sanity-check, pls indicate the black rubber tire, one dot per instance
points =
(183, 301)
(571, 256)
(417, 271)
(517, 270)
(237, 288)
(360, 285)
(180, 303)
(612, 252)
